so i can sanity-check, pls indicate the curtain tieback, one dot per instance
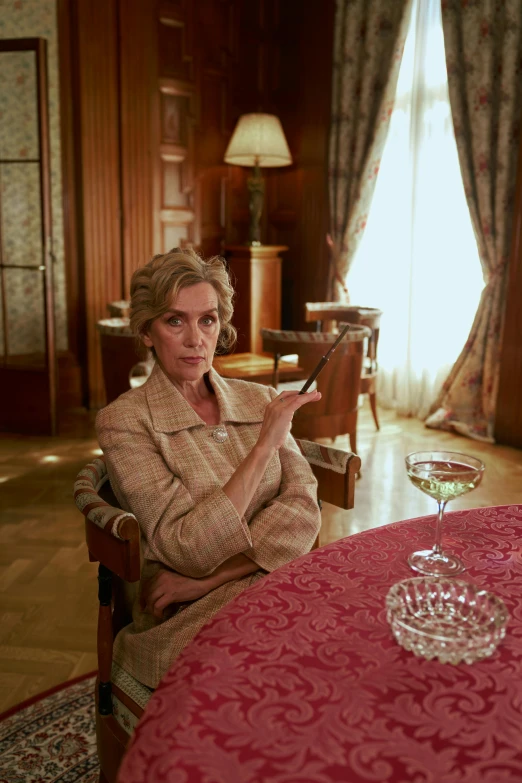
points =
(336, 252)
(497, 272)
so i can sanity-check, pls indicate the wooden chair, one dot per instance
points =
(339, 382)
(120, 354)
(113, 540)
(119, 309)
(328, 314)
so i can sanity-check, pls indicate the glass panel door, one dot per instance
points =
(27, 334)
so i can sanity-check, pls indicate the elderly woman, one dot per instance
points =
(221, 492)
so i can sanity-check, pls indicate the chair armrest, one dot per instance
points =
(335, 470)
(111, 519)
(113, 535)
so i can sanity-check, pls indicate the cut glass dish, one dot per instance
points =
(448, 619)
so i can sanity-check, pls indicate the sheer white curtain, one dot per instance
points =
(418, 258)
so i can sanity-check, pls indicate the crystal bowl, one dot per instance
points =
(448, 619)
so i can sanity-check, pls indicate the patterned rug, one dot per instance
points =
(51, 738)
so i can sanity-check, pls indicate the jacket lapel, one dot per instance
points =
(238, 400)
(170, 411)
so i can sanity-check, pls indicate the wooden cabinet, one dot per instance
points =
(256, 276)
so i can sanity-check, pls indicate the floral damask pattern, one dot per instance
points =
(483, 53)
(368, 46)
(300, 680)
(28, 19)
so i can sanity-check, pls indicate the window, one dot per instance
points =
(418, 259)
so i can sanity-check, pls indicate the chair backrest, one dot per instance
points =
(339, 382)
(325, 314)
(120, 353)
(119, 309)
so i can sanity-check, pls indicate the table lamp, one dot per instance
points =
(258, 141)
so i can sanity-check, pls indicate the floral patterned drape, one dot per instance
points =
(483, 41)
(368, 44)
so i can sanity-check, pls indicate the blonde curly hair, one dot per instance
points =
(155, 285)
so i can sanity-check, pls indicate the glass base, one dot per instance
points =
(431, 563)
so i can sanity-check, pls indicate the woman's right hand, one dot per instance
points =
(167, 587)
(278, 417)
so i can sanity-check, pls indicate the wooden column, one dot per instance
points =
(256, 276)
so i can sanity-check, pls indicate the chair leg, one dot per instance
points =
(353, 441)
(373, 405)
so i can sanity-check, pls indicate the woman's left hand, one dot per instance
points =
(168, 587)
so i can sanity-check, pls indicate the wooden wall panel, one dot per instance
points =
(99, 148)
(138, 80)
(214, 20)
(303, 98)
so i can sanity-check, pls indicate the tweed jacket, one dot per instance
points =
(167, 469)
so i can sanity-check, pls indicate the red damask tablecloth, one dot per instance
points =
(299, 680)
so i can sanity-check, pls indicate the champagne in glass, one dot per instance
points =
(442, 475)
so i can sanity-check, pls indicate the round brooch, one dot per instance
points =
(220, 434)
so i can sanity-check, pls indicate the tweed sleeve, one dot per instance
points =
(190, 538)
(288, 525)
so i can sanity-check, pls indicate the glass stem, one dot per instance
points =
(438, 530)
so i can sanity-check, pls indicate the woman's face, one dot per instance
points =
(185, 337)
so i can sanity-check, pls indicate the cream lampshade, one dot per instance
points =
(258, 141)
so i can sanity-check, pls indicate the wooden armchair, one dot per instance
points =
(113, 539)
(327, 314)
(339, 382)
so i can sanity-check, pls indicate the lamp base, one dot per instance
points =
(256, 189)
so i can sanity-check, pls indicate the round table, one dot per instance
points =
(298, 680)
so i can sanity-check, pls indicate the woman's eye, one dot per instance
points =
(174, 321)
(208, 320)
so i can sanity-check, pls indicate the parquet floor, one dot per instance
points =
(48, 602)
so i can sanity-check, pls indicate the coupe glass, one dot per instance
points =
(442, 475)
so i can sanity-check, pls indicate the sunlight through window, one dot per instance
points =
(418, 259)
